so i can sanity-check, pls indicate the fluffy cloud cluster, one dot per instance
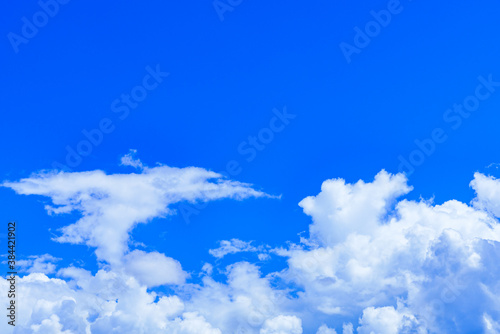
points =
(405, 267)
(373, 263)
(282, 324)
(111, 205)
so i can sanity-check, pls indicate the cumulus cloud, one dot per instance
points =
(487, 193)
(192, 323)
(282, 324)
(373, 263)
(324, 329)
(243, 303)
(340, 208)
(107, 302)
(347, 328)
(154, 269)
(44, 264)
(385, 320)
(116, 302)
(430, 258)
(50, 325)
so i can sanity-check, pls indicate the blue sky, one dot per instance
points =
(227, 79)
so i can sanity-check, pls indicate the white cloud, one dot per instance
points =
(324, 329)
(431, 257)
(130, 160)
(154, 269)
(385, 320)
(347, 328)
(282, 324)
(487, 193)
(233, 246)
(207, 269)
(491, 326)
(246, 301)
(263, 256)
(115, 302)
(192, 323)
(371, 264)
(38, 264)
(111, 205)
(50, 326)
(341, 208)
